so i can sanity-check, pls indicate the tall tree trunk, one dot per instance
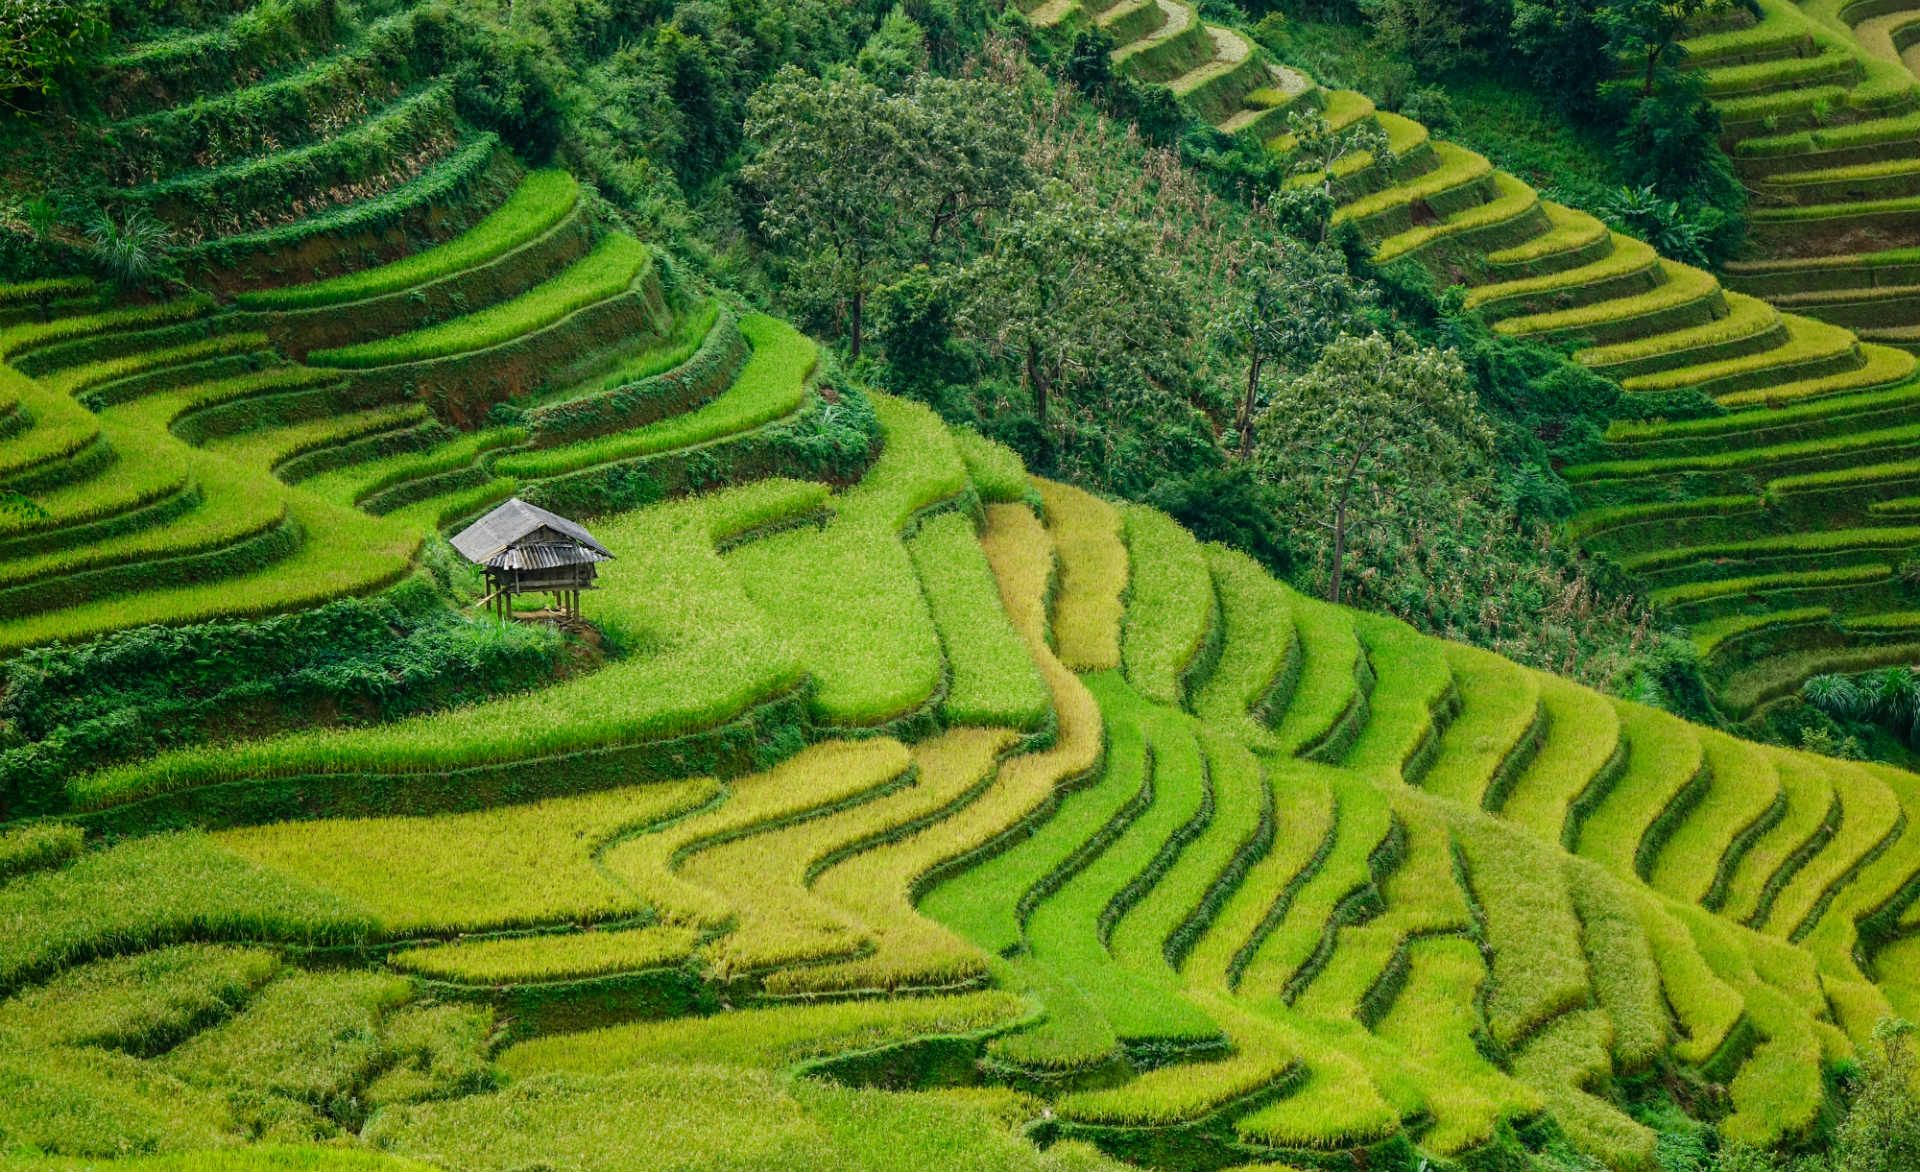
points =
(1037, 381)
(1653, 60)
(858, 314)
(1244, 424)
(1339, 549)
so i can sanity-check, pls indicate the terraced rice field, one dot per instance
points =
(1759, 480)
(924, 773)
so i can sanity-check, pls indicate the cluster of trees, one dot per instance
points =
(996, 243)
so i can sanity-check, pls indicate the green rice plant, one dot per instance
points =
(23, 338)
(1092, 553)
(1884, 366)
(1262, 1058)
(243, 193)
(1810, 819)
(989, 903)
(1620, 961)
(1596, 523)
(1512, 201)
(1863, 475)
(273, 448)
(309, 1037)
(1027, 787)
(1567, 1058)
(690, 336)
(816, 782)
(1627, 257)
(505, 867)
(61, 428)
(1171, 610)
(1335, 1104)
(609, 270)
(74, 380)
(847, 598)
(765, 877)
(433, 1052)
(1071, 928)
(1810, 544)
(144, 475)
(771, 386)
(1434, 1023)
(1737, 423)
(996, 470)
(231, 510)
(1539, 966)
(511, 960)
(1156, 931)
(763, 506)
(261, 1157)
(359, 556)
(1259, 649)
(768, 1038)
(719, 659)
(1405, 704)
(1677, 596)
(151, 892)
(1701, 852)
(1666, 767)
(93, 1105)
(1363, 976)
(991, 682)
(359, 482)
(38, 846)
(871, 882)
(1710, 635)
(444, 183)
(1501, 725)
(657, 1117)
(1333, 668)
(1304, 833)
(1682, 287)
(1569, 231)
(1341, 886)
(543, 199)
(1747, 317)
(1807, 341)
(1458, 168)
(1870, 814)
(144, 1003)
(1706, 1009)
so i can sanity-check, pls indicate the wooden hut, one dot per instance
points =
(525, 549)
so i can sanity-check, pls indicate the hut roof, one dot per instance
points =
(520, 536)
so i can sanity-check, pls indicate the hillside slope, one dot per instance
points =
(1759, 478)
(913, 771)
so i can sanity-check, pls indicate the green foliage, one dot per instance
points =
(991, 680)
(37, 846)
(41, 41)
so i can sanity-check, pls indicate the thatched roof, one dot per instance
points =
(520, 536)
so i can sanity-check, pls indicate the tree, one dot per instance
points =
(1649, 31)
(860, 182)
(1372, 432)
(1075, 295)
(1881, 1132)
(1317, 150)
(41, 40)
(833, 166)
(1290, 301)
